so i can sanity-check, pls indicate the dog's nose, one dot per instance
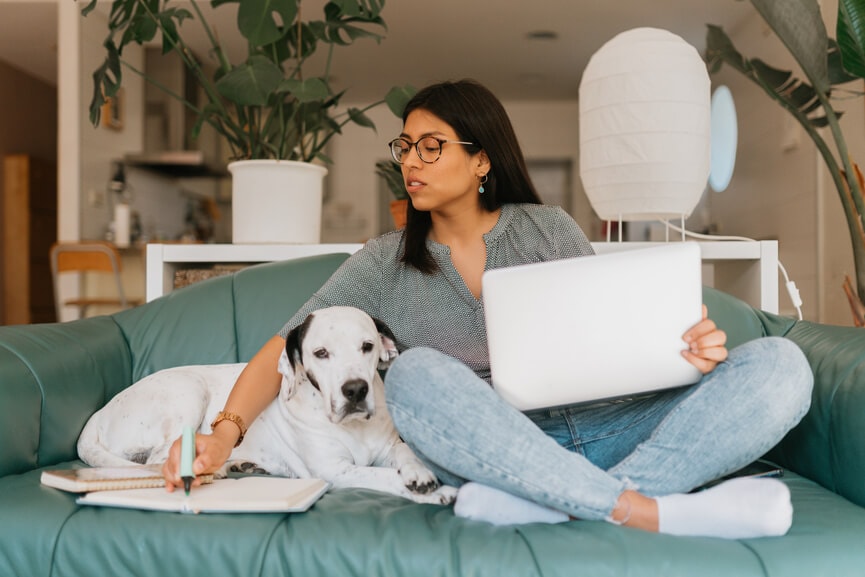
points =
(355, 390)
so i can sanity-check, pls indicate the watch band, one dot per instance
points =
(234, 418)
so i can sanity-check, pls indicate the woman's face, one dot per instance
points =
(451, 182)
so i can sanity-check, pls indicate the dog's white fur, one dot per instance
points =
(321, 424)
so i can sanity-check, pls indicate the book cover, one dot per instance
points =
(232, 495)
(107, 478)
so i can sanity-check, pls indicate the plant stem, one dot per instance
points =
(224, 63)
(191, 62)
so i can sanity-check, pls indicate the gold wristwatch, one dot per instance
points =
(226, 416)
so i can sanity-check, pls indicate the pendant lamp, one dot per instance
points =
(645, 118)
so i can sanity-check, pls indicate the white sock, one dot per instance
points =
(483, 503)
(737, 509)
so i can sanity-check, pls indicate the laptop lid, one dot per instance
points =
(593, 327)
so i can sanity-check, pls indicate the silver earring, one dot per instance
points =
(484, 178)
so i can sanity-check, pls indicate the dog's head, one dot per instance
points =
(339, 351)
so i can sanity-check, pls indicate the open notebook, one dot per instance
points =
(232, 495)
(594, 327)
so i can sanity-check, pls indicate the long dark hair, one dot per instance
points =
(477, 116)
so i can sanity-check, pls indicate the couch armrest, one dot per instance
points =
(52, 378)
(828, 446)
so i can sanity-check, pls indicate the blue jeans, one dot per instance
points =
(579, 459)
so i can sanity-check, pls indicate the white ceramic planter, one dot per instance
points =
(276, 201)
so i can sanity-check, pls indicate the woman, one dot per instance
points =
(473, 208)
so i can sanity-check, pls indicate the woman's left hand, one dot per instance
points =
(705, 344)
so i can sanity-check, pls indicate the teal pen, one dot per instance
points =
(187, 456)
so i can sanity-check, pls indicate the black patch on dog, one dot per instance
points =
(247, 467)
(294, 342)
(139, 456)
(383, 329)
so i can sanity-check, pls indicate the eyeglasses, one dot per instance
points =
(429, 148)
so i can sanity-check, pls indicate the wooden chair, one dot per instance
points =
(88, 257)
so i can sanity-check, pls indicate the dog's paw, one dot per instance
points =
(246, 467)
(444, 495)
(418, 479)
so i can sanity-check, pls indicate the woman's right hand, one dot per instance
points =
(211, 452)
(256, 387)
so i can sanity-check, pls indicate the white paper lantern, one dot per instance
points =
(645, 120)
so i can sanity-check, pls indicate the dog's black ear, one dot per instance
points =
(389, 349)
(292, 346)
(383, 329)
(294, 342)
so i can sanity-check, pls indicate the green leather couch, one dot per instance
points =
(53, 377)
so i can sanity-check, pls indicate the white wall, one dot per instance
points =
(546, 130)
(779, 189)
(101, 146)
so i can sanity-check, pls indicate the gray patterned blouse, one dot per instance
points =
(438, 310)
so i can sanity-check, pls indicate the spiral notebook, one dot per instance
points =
(83, 480)
(594, 327)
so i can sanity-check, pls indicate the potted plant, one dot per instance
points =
(269, 107)
(392, 175)
(825, 64)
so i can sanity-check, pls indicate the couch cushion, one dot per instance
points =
(360, 532)
(20, 410)
(829, 444)
(54, 377)
(740, 321)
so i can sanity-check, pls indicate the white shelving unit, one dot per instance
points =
(745, 269)
(163, 260)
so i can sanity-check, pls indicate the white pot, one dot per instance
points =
(276, 201)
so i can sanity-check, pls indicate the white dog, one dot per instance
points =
(329, 420)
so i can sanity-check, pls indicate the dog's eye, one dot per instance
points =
(367, 347)
(321, 353)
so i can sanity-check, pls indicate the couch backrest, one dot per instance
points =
(52, 377)
(221, 320)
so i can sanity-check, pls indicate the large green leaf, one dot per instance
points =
(397, 98)
(347, 21)
(170, 36)
(850, 33)
(106, 80)
(359, 8)
(358, 117)
(256, 22)
(252, 83)
(799, 25)
(837, 73)
(255, 18)
(782, 85)
(308, 90)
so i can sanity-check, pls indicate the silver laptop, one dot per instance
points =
(594, 327)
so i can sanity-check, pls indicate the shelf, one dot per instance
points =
(746, 270)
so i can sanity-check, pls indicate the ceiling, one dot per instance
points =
(482, 39)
